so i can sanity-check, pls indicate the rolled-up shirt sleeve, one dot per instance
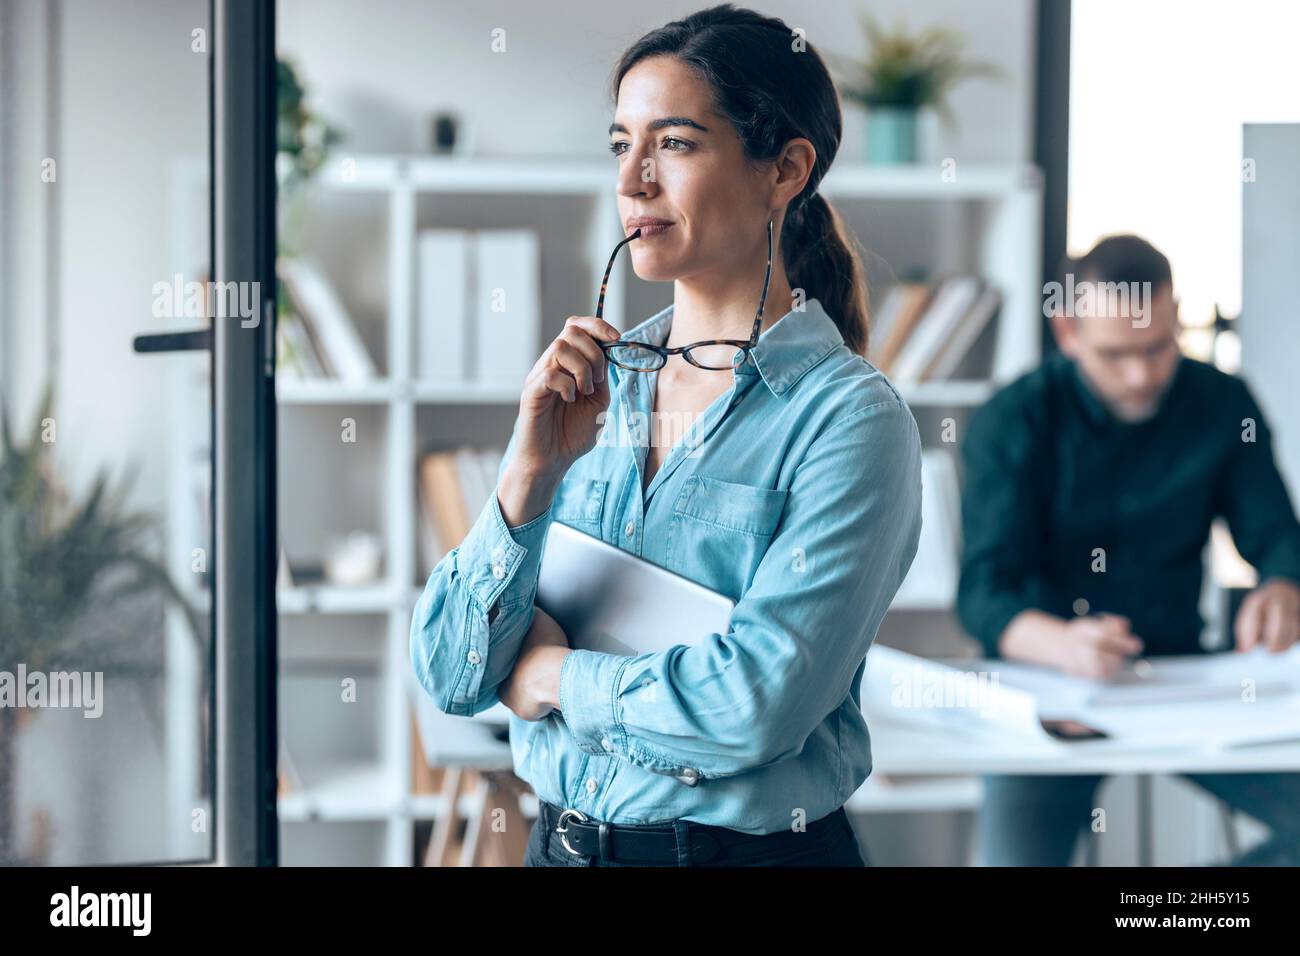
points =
(798, 634)
(476, 608)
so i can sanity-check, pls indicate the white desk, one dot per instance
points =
(915, 749)
(921, 750)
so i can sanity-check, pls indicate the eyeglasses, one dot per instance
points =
(713, 354)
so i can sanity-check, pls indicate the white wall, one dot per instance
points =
(380, 69)
(134, 97)
(130, 97)
(1270, 317)
(27, 205)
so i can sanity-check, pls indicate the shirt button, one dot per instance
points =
(604, 742)
(498, 571)
(473, 657)
(690, 776)
(630, 529)
(591, 785)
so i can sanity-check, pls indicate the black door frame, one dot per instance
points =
(243, 240)
(1052, 136)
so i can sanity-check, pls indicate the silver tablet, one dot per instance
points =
(610, 600)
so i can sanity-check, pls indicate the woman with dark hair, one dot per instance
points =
(795, 490)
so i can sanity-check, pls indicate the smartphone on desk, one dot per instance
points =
(1064, 729)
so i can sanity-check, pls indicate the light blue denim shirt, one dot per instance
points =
(797, 493)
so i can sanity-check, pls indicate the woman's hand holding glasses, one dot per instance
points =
(564, 394)
(559, 417)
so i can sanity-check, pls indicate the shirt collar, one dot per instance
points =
(785, 351)
(1094, 408)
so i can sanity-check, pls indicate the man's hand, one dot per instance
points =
(1095, 647)
(533, 688)
(1269, 617)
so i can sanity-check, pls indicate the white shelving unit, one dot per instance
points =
(1004, 203)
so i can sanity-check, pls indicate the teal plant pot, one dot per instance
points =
(891, 134)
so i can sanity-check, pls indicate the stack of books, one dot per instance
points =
(925, 331)
(454, 486)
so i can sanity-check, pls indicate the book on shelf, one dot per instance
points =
(902, 309)
(295, 355)
(925, 331)
(932, 579)
(454, 486)
(961, 341)
(478, 305)
(443, 258)
(507, 314)
(283, 572)
(297, 572)
(323, 335)
(288, 778)
(950, 302)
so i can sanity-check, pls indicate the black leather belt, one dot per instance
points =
(653, 843)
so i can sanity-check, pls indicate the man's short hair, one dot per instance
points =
(1121, 258)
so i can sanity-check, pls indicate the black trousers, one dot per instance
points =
(829, 841)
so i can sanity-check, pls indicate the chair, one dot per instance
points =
(478, 779)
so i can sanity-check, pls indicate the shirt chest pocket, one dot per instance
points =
(721, 530)
(580, 502)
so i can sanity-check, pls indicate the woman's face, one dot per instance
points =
(689, 171)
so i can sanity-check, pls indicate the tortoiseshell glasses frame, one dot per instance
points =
(706, 354)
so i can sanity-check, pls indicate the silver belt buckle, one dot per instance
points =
(562, 829)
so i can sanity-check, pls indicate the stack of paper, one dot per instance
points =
(1206, 701)
(1213, 700)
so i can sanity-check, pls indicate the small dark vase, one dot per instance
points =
(445, 128)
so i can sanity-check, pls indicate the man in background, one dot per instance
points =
(1091, 485)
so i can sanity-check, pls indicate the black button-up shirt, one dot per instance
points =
(1064, 504)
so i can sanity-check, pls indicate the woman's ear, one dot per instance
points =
(793, 167)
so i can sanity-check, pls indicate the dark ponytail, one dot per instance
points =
(772, 92)
(821, 256)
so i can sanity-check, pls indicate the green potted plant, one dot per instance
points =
(62, 562)
(303, 142)
(903, 73)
